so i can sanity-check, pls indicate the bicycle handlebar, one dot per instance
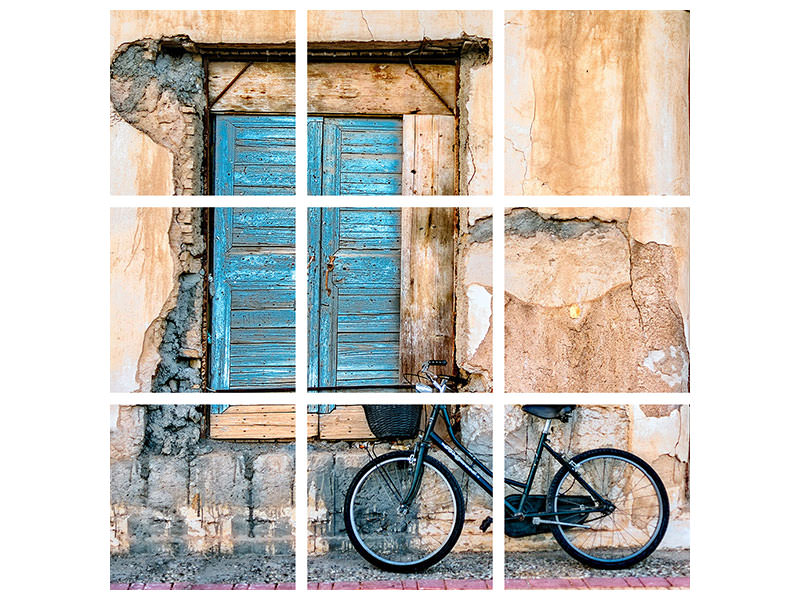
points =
(434, 363)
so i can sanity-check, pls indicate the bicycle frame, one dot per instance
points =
(518, 512)
(429, 438)
(475, 466)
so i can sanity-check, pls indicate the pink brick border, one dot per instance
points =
(594, 583)
(599, 583)
(405, 584)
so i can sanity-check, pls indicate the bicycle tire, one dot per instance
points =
(391, 540)
(640, 514)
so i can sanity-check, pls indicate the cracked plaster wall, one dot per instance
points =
(332, 466)
(175, 492)
(597, 300)
(473, 294)
(657, 433)
(157, 276)
(475, 75)
(598, 102)
(157, 97)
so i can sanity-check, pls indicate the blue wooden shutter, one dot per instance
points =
(354, 297)
(314, 176)
(252, 311)
(254, 155)
(355, 156)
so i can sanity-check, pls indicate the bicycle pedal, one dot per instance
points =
(485, 525)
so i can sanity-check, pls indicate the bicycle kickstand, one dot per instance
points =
(485, 525)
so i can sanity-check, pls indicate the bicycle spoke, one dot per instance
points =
(625, 529)
(392, 532)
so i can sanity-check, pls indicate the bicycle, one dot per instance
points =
(404, 510)
(606, 508)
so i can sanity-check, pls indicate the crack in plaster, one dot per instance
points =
(364, 18)
(627, 237)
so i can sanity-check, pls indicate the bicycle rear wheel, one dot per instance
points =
(400, 538)
(622, 533)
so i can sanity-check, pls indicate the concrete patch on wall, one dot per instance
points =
(179, 493)
(473, 291)
(598, 102)
(590, 308)
(657, 434)
(332, 466)
(157, 87)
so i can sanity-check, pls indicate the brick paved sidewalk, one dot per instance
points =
(599, 583)
(202, 586)
(406, 584)
(587, 583)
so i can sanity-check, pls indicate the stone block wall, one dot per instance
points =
(332, 466)
(597, 299)
(657, 433)
(174, 492)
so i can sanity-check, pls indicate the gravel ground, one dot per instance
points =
(245, 568)
(456, 565)
(547, 564)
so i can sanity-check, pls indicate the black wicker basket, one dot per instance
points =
(393, 421)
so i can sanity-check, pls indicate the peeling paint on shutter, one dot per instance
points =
(252, 313)
(254, 155)
(355, 156)
(354, 296)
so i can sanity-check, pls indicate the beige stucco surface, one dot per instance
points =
(477, 114)
(139, 166)
(597, 102)
(204, 26)
(396, 25)
(473, 293)
(597, 300)
(657, 433)
(142, 281)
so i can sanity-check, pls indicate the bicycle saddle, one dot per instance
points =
(548, 411)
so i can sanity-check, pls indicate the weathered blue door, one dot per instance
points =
(354, 296)
(253, 298)
(254, 155)
(355, 156)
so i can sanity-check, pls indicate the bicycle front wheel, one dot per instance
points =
(401, 538)
(624, 531)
